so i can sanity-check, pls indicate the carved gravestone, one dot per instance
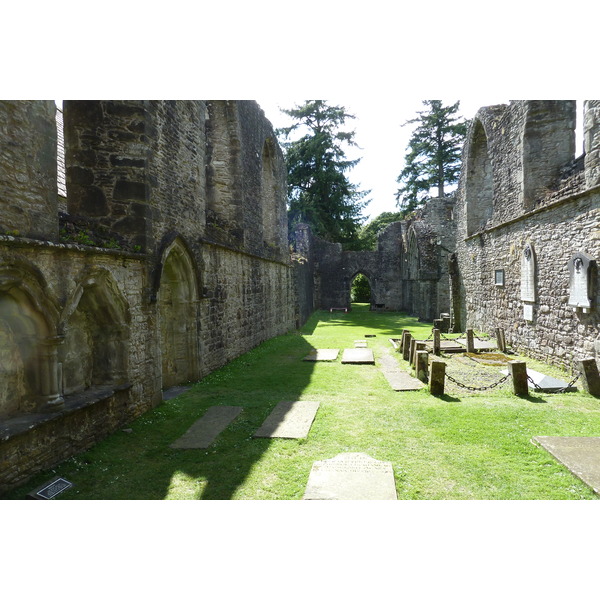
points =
(528, 295)
(581, 280)
(351, 476)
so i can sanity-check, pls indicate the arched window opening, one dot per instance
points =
(269, 193)
(177, 301)
(480, 183)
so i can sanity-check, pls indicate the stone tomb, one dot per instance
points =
(206, 429)
(351, 476)
(358, 356)
(546, 382)
(322, 354)
(581, 455)
(289, 420)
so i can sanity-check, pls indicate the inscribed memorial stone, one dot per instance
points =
(580, 269)
(351, 476)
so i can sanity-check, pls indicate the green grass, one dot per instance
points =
(466, 445)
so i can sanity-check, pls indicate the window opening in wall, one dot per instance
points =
(60, 155)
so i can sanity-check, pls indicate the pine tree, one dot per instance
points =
(433, 157)
(319, 192)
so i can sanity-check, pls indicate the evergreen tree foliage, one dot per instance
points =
(368, 232)
(319, 192)
(433, 157)
(360, 290)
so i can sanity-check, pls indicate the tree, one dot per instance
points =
(368, 232)
(319, 192)
(433, 157)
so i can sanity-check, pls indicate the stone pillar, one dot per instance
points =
(518, 371)
(437, 377)
(590, 376)
(419, 346)
(408, 347)
(500, 340)
(422, 361)
(470, 341)
(437, 343)
(49, 373)
(591, 136)
(405, 336)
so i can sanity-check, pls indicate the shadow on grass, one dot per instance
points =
(447, 398)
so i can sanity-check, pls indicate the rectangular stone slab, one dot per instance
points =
(399, 380)
(358, 356)
(206, 429)
(478, 344)
(322, 354)
(546, 382)
(360, 343)
(289, 420)
(351, 476)
(581, 455)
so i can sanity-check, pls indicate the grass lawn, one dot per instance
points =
(466, 445)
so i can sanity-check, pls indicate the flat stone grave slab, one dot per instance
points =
(399, 380)
(581, 455)
(50, 489)
(360, 343)
(351, 476)
(370, 335)
(289, 420)
(322, 354)
(206, 429)
(358, 356)
(175, 391)
(546, 382)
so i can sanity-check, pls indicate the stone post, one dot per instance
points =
(411, 352)
(518, 371)
(419, 346)
(437, 343)
(470, 341)
(590, 376)
(500, 340)
(406, 345)
(437, 377)
(405, 333)
(422, 365)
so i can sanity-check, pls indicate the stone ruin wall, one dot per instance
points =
(522, 186)
(184, 283)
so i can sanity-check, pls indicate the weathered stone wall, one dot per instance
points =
(406, 272)
(90, 335)
(519, 162)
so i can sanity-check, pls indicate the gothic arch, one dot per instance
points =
(28, 368)
(95, 324)
(479, 188)
(177, 307)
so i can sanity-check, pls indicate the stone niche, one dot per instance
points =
(528, 293)
(582, 276)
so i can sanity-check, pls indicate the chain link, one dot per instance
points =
(477, 389)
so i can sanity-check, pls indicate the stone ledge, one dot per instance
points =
(26, 422)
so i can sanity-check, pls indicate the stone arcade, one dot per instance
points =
(168, 256)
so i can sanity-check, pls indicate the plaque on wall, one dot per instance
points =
(581, 279)
(528, 274)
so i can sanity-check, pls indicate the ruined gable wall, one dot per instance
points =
(558, 218)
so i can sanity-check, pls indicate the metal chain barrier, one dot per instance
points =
(477, 389)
